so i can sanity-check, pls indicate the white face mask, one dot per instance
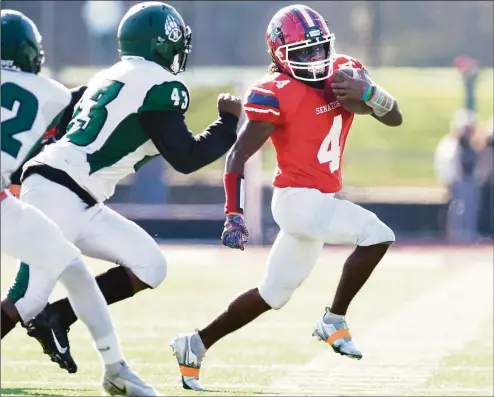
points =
(309, 70)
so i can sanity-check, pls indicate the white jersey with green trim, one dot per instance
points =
(30, 106)
(105, 141)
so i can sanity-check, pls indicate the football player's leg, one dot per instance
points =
(111, 237)
(32, 287)
(337, 222)
(344, 222)
(26, 233)
(42, 243)
(290, 261)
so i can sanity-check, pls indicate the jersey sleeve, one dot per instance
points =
(170, 95)
(262, 104)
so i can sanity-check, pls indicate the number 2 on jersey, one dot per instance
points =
(21, 109)
(330, 150)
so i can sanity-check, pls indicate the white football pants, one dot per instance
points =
(27, 233)
(98, 231)
(307, 219)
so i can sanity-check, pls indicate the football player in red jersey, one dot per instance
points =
(297, 105)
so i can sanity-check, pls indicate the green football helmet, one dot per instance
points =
(21, 43)
(155, 31)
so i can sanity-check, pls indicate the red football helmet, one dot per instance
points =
(300, 43)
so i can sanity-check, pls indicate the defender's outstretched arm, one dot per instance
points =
(185, 152)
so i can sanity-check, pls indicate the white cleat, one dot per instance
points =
(188, 362)
(124, 382)
(337, 336)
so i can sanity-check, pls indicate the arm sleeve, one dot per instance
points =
(162, 119)
(262, 104)
(185, 152)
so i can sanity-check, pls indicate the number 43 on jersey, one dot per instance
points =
(330, 150)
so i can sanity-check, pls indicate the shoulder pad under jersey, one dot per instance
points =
(272, 98)
(154, 87)
(54, 96)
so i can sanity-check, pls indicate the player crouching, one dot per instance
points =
(307, 111)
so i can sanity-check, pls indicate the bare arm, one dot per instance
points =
(252, 136)
(393, 118)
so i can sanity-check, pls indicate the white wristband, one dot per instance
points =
(381, 102)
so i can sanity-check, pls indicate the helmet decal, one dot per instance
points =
(156, 32)
(172, 29)
(276, 30)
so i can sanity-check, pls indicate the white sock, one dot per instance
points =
(197, 346)
(109, 349)
(90, 306)
(330, 318)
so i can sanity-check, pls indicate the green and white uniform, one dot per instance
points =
(104, 144)
(105, 141)
(30, 106)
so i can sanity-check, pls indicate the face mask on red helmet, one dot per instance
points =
(301, 44)
(315, 56)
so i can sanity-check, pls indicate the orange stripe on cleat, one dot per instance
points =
(189, 371)
(340, 333)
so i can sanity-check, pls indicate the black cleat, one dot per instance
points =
(47, 329)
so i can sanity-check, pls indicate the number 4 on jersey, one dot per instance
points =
(330, 150)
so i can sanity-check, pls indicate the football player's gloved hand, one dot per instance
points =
(235, 233)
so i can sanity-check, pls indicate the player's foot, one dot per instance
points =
(47, 329)
(188, 362)
(120, 380)
(333, 330)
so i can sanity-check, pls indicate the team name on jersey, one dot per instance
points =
(328, 107)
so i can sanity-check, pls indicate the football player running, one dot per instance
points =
(32, 105)
(297, 105)
(129, 114)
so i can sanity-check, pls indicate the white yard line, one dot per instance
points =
(402, 351)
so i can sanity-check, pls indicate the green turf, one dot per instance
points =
(248, 362)
(469, 371)
(375, 155)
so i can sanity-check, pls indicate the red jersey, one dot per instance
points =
(311, 128)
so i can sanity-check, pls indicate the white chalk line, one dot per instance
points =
(402, 351)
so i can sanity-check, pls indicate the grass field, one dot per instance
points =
(424, 323)
(375, 155)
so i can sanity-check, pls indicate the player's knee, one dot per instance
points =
(152, 270)
(276, 296)
(160, 270)
(377, 232)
